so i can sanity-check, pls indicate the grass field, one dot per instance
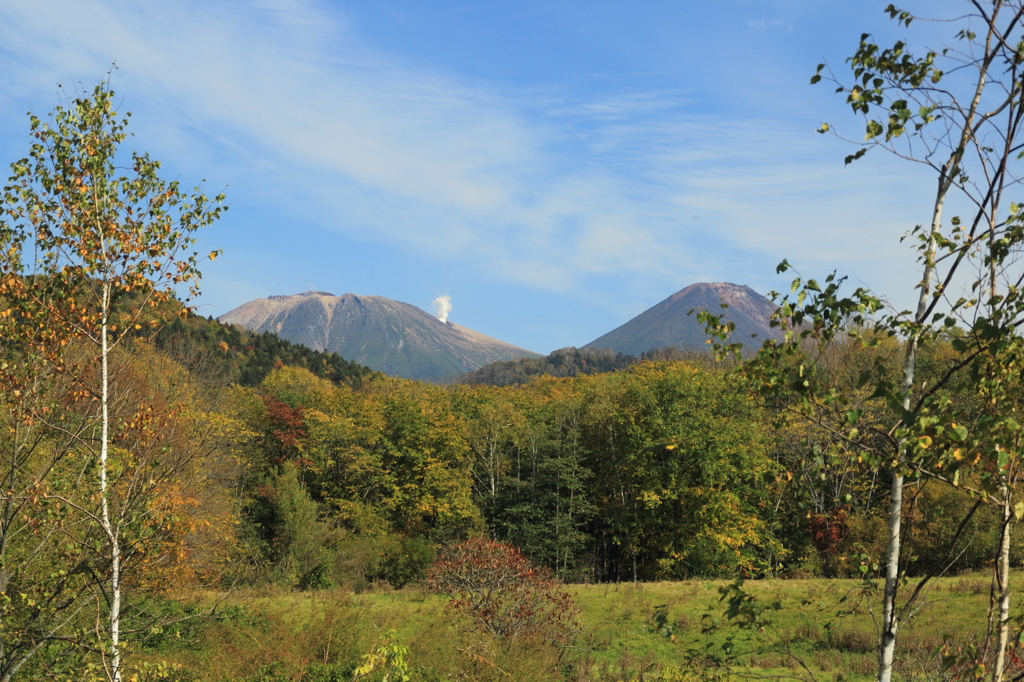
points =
(822, 630)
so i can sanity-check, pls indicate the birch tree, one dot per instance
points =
(957, 112)
(90, 249)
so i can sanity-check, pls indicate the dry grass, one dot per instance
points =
(824, 629)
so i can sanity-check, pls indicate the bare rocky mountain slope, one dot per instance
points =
(669, 324)
(389, 336)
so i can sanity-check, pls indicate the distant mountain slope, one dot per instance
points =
(227, 354)
(389, 336)
(565, 362)
(669, 324)
(571, 362)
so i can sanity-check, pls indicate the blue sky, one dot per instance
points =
(554, 167)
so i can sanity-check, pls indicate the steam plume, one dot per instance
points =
(443, 306)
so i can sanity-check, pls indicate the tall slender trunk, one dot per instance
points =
(890, 623)
(999, 611)
(1001, 586)
(890, 618)
(108, 527)
(495, 462)
(565, 562)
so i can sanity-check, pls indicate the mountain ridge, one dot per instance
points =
(669, 324)
(389, 336)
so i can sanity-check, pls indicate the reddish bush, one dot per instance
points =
(828, 530)
(504, 593)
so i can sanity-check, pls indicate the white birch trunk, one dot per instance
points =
(1002, 585)
(109, 529)
(890, 623)
(890, 619)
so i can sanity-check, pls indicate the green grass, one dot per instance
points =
(825, 625)
(824, 630)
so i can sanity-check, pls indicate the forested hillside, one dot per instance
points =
(232, 354)
(571, 362)
(661, 470)
(666, 469)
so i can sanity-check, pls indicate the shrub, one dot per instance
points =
(504, 593)
(406, 560)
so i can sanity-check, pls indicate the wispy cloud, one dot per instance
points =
(629, 106)
(288, 102)
(765, 24)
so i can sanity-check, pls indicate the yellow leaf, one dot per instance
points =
(924, 441)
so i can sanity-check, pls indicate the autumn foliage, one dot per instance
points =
(504, 593)
(285, 428)
(829, 530)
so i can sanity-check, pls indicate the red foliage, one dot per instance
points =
(265, 491)
(828, 530)
(286, 426)
(504, 593)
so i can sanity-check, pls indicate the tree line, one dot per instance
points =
(571, 362)
(663, 471)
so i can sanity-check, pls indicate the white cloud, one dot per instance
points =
(288, 99)
(765, 24)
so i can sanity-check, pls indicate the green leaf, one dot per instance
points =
(853, 157)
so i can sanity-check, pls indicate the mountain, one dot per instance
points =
(389, 336)
(670, 324)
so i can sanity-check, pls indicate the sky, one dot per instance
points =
(555, 168)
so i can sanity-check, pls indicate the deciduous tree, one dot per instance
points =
(956, 111)
(92, 240)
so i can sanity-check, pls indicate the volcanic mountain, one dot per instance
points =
(389, 336)
(669, 323)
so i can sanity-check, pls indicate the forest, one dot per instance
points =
(323, 475)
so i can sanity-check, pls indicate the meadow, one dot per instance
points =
(669, 631)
